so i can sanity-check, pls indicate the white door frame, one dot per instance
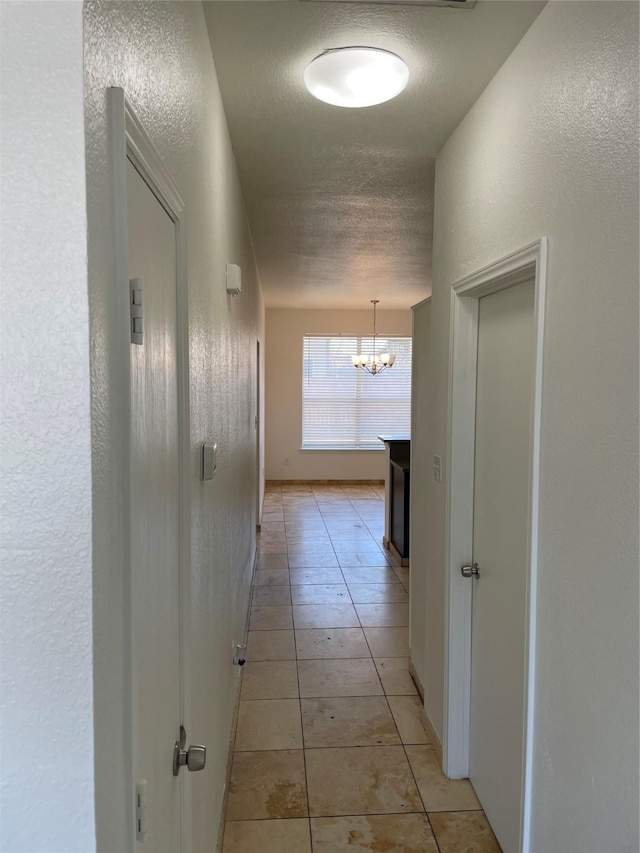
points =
(130, 141)
(516, 268)
(258, 430)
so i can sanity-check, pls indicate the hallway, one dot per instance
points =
(330, 725)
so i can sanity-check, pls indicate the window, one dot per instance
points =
(345, 408)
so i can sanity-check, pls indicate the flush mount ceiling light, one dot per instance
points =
(356, 76)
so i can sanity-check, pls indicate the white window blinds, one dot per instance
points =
(345, 408)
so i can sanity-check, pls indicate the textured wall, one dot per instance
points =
(551, 148)
(160, 54)
(285, 331)
(47, 715)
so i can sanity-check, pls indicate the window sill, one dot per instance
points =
(327, 449)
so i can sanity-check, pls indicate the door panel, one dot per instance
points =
(155, 502)
(501, 512)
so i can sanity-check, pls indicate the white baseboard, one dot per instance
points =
(431, 732)
(234, 719)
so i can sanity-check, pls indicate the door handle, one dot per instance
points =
(194, 758)
(470, 571)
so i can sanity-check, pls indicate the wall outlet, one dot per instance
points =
(286, 461)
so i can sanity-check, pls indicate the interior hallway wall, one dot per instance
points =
(286, 328)
(47, 692)
(551, 148)
(160, 54)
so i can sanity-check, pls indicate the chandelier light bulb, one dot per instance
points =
(356, 76)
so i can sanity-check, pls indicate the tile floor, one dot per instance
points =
(331, 753)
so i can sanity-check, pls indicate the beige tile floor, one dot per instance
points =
(331, 753)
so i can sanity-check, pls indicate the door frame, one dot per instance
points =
(258, 430)
(130, 141)
(516, 268)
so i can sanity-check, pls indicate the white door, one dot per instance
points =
(500, 547)
(155, 518)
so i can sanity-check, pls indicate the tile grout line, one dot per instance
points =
(413, 776)
(304, 756)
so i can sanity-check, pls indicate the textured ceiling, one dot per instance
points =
(340, 201)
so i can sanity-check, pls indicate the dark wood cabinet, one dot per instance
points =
(397, 483)
(400, 475)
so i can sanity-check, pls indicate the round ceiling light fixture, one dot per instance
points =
(356, 76)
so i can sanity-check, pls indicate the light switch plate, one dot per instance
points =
(234, 279)
(209, 460)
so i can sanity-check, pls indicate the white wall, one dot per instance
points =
(46, 712)
(421, 472)
(160, 54)
(285, 331)
(551, 148)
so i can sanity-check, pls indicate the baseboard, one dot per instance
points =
(234, 719)
(404, 561)
(416, 679)
(431, 732)
(435, 740)
(324, 483)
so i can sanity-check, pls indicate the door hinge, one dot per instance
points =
(141, 811)
(135, 305)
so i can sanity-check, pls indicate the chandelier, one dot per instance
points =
(373, 363)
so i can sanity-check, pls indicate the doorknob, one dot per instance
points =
(470, 571)
(194, 758)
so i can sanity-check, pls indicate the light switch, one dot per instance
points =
(234, 279)
(209, 460)
(437, 468)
